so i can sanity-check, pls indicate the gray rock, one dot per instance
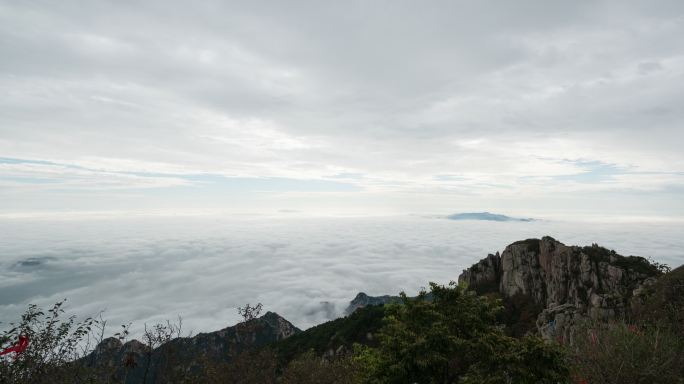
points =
(362, 300)
(484, 276)
(571, 283)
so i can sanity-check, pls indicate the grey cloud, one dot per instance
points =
(305, 269)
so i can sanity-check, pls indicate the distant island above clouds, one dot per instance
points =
(487, 216)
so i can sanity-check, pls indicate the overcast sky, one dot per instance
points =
(369, 107)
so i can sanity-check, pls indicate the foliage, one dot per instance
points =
(663, 302)
(359, 327)
(661, 267)
(62, 350)
(250, 367)
(309, 368)
(533, 245)
(529, 360)
(621, 353)
(248, 326)
(519, 314)
(54, 343)
(157, 337)
(455, 337)
(635, 263)
(250, 312)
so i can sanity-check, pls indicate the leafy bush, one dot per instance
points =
(455, 338)
(54, 343)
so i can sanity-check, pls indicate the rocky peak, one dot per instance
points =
(220, 346)
(570, 283)
(108, 345)
(363, 300)
(282, 328)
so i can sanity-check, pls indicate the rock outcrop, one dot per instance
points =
(362, 300)
(570, 283)
(485, 275)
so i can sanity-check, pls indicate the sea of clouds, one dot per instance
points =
(147, 270)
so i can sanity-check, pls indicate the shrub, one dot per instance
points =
(54, 343)
(455, 338)
(621, 353)
(663, 302)
(309, 368)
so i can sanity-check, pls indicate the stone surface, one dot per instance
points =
(484, 276)
(362, 300)
(570, 283)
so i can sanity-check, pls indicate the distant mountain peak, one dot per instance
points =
(218, 346)
(486, 216)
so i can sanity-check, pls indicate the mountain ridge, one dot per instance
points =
(485, 216)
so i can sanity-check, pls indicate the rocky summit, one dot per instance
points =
(362, 300)
(568, 284)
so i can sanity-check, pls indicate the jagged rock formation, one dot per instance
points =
(485, 275)
(363, 300)
(569, 283)
(129, 362)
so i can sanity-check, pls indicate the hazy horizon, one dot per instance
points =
(146, 270)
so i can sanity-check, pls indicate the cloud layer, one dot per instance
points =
(408, 107)
(149, 270)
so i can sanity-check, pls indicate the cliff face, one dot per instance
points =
(485, 275)
(570, 283)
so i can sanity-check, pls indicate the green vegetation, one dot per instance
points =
(486, 288)
(309, 368)
(455, 338)
(519, 314)
(357, 328)
(663, 303)
(533, 245)
(635, 263)
(597, 253)
(54, 343)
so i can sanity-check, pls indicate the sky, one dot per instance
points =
(534, 108)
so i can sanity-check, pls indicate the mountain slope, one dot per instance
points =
(133, 360)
